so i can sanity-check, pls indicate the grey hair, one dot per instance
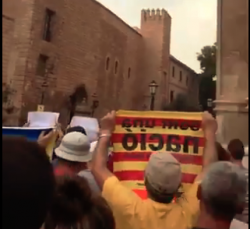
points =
(224, 186)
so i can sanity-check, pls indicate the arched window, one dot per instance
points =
(107, 63)
(129, 72)
(116, 67)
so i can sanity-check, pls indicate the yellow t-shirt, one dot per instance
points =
(131, 212)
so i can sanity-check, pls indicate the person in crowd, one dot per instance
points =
(237, 152)
(222, 195)
(223, 155)
(74, 154)
(58, 142)
(76, 206)
(76, 129)
(162, 180)
(28, 183)
(86, 173)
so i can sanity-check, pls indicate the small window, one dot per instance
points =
(180, 76)
(187, 81)
(49, 15)
(116, 67)
(171, 96)
(107, 64)
(173, 71)
(129, 72)
(41, 65)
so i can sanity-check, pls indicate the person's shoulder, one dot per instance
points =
(245, 171)
(86, 174)
(112, 180)
(114, 190)
(236, 224)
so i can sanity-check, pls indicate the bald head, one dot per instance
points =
(224, 188)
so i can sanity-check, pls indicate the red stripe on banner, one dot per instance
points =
(157, 121)
(117, 138)
(139, 175)
(144, 156)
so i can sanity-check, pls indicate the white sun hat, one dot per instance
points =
(75, 147)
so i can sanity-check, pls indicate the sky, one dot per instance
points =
(193, 23)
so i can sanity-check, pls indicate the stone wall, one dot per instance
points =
(183, 80)
(232, 70)
(7, 31)
(90, 45)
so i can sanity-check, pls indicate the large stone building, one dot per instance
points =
(51, 46)
(232, 70)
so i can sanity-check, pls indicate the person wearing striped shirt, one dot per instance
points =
(237, 152)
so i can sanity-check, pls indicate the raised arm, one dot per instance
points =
(190, 203)
(99, 163)
(209, 126)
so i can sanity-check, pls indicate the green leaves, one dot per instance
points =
(207, 59)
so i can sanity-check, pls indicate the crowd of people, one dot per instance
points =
(78, 190)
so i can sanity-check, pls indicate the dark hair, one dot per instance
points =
(236, 149)
(76, 205)
(182, 103)
(76, 129)
(71, 164)
(28, 184)
(223, 155)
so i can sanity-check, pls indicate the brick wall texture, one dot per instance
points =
(84, 38)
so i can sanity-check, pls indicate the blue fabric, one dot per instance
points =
(31, 134)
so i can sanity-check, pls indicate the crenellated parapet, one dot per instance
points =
(154, 14)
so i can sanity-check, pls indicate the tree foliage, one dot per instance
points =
(207, 59)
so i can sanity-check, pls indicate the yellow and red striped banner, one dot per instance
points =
(139, 133)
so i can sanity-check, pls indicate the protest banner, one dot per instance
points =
(138, 134)
(42, 119)
(31, 134)
(90, 125)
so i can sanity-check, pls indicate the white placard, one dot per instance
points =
(89, 124)
(42, 119)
